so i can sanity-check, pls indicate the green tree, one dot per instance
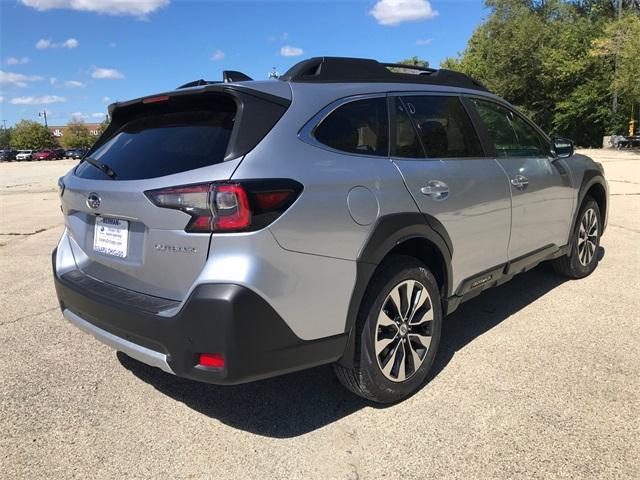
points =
(620, 42)
(76, 135)
(5, 137)
(28, 134)
(537, 55)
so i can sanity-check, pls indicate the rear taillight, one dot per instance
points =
(229, 206)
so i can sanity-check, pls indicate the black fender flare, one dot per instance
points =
(590, 178)
(388, 232)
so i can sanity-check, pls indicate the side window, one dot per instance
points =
(443, 127)
(407, 142)
(511, 135)
(360, 126)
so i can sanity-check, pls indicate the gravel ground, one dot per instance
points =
(539, 378)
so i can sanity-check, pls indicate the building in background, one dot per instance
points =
(58, 131)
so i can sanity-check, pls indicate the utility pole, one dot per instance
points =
(4, 124)
(44, 114)
(614, 105)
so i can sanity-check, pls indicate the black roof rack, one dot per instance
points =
(343, 69)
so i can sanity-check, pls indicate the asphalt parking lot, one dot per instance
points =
(539, 378)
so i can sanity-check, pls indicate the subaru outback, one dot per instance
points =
(231, 231)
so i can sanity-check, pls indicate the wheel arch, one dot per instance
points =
(413, 234)
(593, 185)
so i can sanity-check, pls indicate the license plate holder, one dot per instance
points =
(111, 237)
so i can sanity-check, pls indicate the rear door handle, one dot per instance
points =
(520, 182)
(436, 189)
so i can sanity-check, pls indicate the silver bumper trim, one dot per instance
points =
(143, 354)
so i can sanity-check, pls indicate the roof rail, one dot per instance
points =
(408, 67)
(343, 69)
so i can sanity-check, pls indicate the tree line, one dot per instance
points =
(30, 135)
(572, 66)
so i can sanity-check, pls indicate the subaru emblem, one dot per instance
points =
(93, 201)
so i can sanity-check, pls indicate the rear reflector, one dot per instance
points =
(212, 360)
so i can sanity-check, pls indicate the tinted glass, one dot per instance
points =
(511, 135)
(358, 127)
(158, 145)
(407, 142)
(444, 127)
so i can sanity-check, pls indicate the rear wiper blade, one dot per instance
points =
(103, 167)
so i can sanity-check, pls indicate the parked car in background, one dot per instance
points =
(43, 155)
(24, 155)
(7, 155)
(76, 153)
(49, 154)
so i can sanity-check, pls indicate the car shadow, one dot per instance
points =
(298, 403)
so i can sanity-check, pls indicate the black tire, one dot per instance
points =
(574, 264)
(366, 378)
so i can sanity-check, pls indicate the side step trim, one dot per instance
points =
(143, 354)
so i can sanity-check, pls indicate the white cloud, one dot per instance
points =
(113, 44)
(70, 43)
(424, 41)
(37, 100)
(289, 51)
(17, 79)
(53, 80)
(106, 99)
(74, 84)
(78, 116)
(217, 55)
(1, 99)
(394, 12)
(17, 61)
(136, 8)
(106, 73)
(44, 44)
(282, 37)
(98, 115)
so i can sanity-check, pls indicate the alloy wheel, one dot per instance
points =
(587, 237)
(403, 330)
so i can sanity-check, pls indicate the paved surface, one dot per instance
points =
(539, 378)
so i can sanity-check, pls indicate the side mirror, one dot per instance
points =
(563, 147)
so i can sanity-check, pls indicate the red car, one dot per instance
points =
(46, 155)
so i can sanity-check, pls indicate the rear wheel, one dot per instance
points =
(397, 332)
(585, 241)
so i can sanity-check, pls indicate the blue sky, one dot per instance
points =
(74, 57)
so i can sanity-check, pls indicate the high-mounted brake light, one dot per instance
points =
(159, 98)
(229, 206)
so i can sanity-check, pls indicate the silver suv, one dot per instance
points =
(231, 231)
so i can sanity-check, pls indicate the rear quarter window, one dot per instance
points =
(360, 127)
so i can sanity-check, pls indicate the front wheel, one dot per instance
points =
(585, 241)
(397, 332)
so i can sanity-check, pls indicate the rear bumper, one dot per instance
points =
(226, 319)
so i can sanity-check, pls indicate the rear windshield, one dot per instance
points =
(165, 143)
